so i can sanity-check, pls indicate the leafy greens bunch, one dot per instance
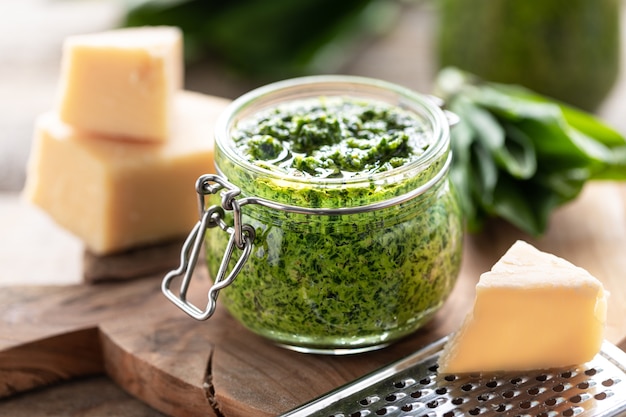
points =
(518, 155)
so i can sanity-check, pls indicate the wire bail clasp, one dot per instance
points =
(241, 237)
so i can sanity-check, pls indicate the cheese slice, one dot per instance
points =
(533, 310)
(121, 82)
(116, 195)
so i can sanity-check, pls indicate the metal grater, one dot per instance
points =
(412, 387)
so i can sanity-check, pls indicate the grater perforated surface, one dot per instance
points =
(412, 387)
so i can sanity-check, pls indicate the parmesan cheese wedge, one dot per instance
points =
(122, 82)
(533, 310)
(116, 195)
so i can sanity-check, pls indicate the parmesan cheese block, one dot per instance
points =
(533, 310)
(116, 195)
(121, 82)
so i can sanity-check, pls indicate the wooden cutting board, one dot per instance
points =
(177, 365)
(128, 330)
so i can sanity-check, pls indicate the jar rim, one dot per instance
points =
(336, 85)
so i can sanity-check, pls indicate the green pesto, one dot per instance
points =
(332, 138)
(342, 281)
(354, 280)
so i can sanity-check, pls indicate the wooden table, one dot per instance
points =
(590, 232)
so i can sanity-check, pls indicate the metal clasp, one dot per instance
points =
(241, 237)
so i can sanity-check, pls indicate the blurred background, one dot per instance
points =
(569, 49)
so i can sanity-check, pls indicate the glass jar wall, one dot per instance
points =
(340, 265)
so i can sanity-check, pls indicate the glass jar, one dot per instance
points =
(330, 265)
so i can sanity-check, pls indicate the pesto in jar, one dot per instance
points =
(322, 282)
(332, 138)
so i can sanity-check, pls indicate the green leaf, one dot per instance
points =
(461, 138)
(592, 127)
(555, 149)
(514, 204)
(597, 153)
(459, 176)
(517, 156)
(513, 103)
(597, 141)
(461, 134)
(577, 119)
(566, 184)
(616, 171)
(485, 172)
(520, 155)
(485, 125)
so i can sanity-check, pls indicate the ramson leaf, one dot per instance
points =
(519, 155)
(511, 203)
(485, 125)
